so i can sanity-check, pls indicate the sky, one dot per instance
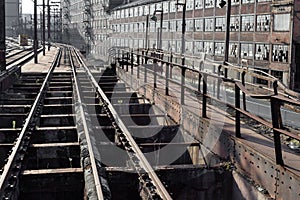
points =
(27, 6)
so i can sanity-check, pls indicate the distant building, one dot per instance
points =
(266, 33)
(13, 10)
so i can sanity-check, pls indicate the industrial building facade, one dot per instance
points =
(263, 32)
(13, 10)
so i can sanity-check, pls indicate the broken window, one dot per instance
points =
(208, 47)
(209, 3)
(234, 23)
(209, 24)
(248, 23)
(246, 50)
(263, 23)
(233, 49)
(219, 48)
(235, 2)
(262, 52)
(280, 53)
(220, 24)
(198, 4)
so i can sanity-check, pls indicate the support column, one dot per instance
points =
(35, 41)
(2, 37)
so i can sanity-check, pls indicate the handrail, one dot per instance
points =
(250, 71)
(276, 99)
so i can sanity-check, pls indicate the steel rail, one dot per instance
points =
(162, 192)
(86, 133)
(22, 142)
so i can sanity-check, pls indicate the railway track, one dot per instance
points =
(67, 135)
(17, 55)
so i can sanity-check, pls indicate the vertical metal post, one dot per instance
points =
(244, 95)
(138, 67)
(44, 28)
(275, 111)
(237, 113)
(147, 29)
(143, 56)
(127, 61)
(154, 73)
(199, 81)
(204, 97)
(2, 37)
(183, 69)
(123, 60)
(171, 66)
(160, 31)
(218, 82)
(227, 35)
(54, 25)
(131, 62)
(49, 25)
(167, 78)
(145, 74)
(183, 29)
(35, 41)
(277, 123)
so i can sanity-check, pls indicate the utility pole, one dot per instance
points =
(49, 25)
(35, 41)
(44, 27)
(2, 37)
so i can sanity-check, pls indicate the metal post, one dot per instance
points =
(138, 66)
(44, 29)
(35, 41)
(131, 62)
(154, 73)
(218, 82)
(127, 61)
(204, 97)
(167, 78)
(199, 81)
(237, 113)
(227, 35)
(2, 37)
(54, 25)
(275, 111)
(49, 25)
(160, 31)
(244, 95)
(147, 29)
(183, 69)
(171, 69)
(183, 29)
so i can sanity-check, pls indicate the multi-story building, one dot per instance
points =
(13, 10)
(263, 32)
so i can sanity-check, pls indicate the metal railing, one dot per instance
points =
(138, 59)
